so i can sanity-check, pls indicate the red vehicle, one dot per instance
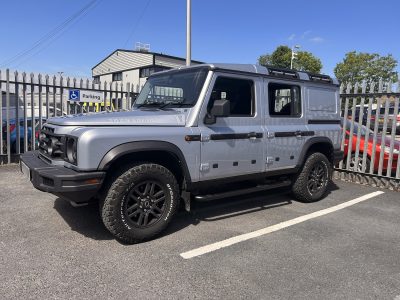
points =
(370, 140)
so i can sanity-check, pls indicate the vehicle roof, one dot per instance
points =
(268, 71)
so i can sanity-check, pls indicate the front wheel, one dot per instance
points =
(311, 183)
(140, 203)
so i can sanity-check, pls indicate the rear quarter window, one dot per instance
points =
(322, 99)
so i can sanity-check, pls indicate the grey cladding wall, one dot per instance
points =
(121, 60)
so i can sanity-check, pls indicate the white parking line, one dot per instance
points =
(247, 236)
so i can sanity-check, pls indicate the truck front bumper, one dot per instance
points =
(61, 181)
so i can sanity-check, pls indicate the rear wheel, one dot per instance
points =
(140, 203)
(311, 183)
(357, 166)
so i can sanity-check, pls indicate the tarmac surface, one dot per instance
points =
(49, 249)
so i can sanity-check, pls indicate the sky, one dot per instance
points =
(231, 31)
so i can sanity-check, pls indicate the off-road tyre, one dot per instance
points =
(311, 183)
(123, 193)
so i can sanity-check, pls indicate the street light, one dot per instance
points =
(188, 33)
(294, 55)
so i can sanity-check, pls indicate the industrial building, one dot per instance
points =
(134, 66)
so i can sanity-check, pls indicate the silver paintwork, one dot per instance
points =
(100, 132)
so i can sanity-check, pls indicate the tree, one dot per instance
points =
(281, 57)
(370, 67)
(307, 62)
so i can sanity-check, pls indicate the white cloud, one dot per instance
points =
(305, 37)
(316, 39)
(305, 33)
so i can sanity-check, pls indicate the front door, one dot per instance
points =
(234, 145)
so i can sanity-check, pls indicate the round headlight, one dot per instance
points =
(72, 150)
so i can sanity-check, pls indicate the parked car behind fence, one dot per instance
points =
(391, 117)
(14, 135)
(366, 144)
(357, 113)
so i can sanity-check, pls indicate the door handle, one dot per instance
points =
(254, 135)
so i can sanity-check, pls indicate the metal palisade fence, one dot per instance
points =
(28, 100)
(371, 133)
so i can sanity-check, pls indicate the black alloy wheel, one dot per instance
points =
(317, 178)
(145, 204)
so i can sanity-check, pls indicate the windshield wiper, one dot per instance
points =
(163, 105)
(155, 104)
(177, 104)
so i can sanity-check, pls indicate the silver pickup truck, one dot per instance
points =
(196, 133)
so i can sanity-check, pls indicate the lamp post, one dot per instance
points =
(294, 55)
(188, 32)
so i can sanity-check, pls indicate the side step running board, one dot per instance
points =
(233, 193)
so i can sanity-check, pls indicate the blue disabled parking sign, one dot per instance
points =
(74, 95)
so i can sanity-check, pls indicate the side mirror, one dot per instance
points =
(221, 108)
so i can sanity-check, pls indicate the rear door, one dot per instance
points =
(285, 124)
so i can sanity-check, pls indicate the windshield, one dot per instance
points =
(175, 89)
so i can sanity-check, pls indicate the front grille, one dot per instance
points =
(48, 181)
(50, 144)
(48, 129)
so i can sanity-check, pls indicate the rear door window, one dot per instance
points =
(284, 100)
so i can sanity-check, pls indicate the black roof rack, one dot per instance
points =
(282, 72)
(320, 78)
